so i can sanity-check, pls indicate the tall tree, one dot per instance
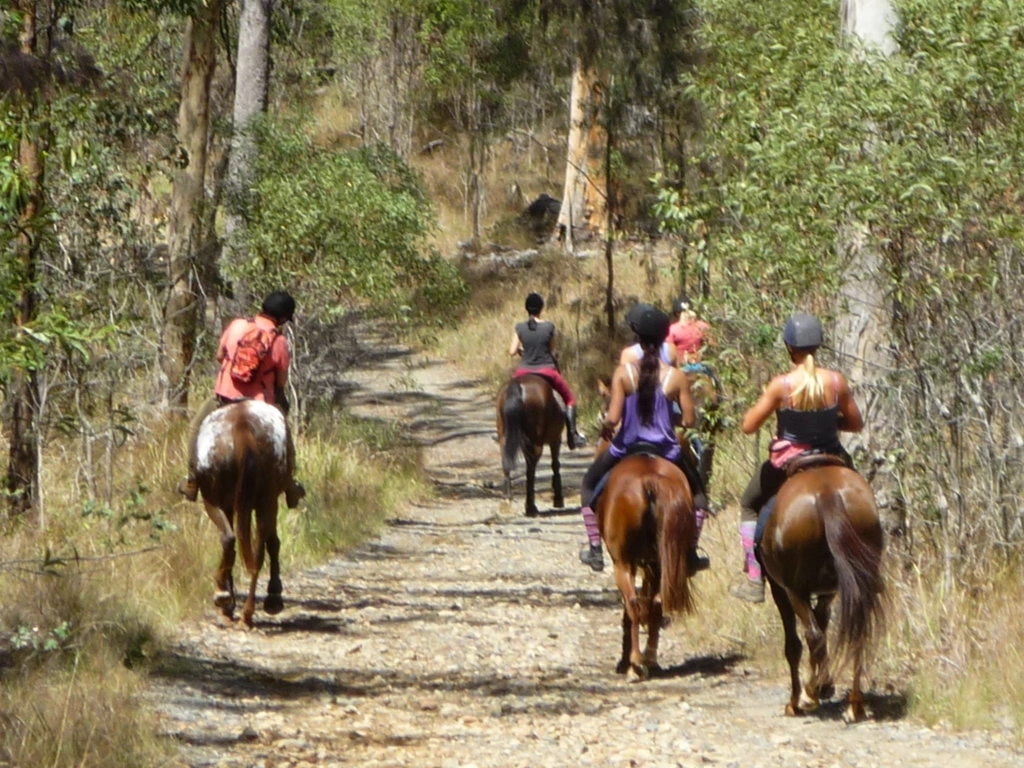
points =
(584, 200)
(252, 81)
(186, 237)
(22, 480)
(869, 27)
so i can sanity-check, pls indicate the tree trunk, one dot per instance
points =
(252, 80)
(584, 206)
(22, 436)
(861, 333)
(186, 237)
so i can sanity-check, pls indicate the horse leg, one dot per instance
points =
(259, 552)
(627, 627)
(823, 614)
(855, 710)
(268, 533)
(655, 614)
(224, 596)
(792, 645)
(556, 473)
(815, 640)
(625, 577)
(531, 478)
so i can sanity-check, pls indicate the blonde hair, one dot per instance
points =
(810, 394)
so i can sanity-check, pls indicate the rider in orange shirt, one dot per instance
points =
(268, 380)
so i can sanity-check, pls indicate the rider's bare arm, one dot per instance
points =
(673, 355)
(516, 347)
(618, 400)
(769, 402)
(682, 382)
(850, 419)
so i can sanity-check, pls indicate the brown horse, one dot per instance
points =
(242, 467)
(529, 417)
(646, 518)
(822, 538)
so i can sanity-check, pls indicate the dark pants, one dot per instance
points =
(765, 483)
(604, 463)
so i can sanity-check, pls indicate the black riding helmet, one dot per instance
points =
(534, 303)
(651, 325)
(803, 331)
(634, 314)
(679, 305)
(279, 305)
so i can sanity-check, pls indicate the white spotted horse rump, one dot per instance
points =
(214, 445)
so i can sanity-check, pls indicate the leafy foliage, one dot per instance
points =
(339, 225)
(806, 141)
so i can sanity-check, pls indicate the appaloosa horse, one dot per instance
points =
(823, 538)
(242, 467)
(647, 521)
(530, 417)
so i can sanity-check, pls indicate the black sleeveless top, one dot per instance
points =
(819, 429)
(536, 344)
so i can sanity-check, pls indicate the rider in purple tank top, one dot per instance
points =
(641, 407)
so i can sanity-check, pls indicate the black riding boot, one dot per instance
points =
(572, 436)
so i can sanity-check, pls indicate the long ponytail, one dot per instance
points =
(648, 385)
(810, 395)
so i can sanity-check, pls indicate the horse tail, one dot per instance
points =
(859, 573)
(674, 516)
(514, 415)
(247, 479)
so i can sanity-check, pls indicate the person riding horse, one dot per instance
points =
(687, 334)
(534, 341)
(641, 399)
(812, 405)
(254, 359)
(634, 352)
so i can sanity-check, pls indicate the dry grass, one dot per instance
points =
(88, 600)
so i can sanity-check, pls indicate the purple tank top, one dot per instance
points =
(659, 432)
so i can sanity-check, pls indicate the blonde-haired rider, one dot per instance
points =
(812, 405)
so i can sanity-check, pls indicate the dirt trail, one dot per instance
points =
(468, 635)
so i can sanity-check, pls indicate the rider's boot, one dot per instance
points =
(294, 493)
(591, 554)
(188, 487)
(572, 436)
(695, 561)
(751, 588)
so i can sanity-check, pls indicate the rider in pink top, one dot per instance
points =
(688, 334)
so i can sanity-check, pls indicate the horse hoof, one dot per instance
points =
(532, 512)
(854, 714)
(225, 601)
(793, 711)
(638, 673)
(247, 620)
(559, 503)
(273, 604)
(622, 667)
(828, 690)
(807, 704)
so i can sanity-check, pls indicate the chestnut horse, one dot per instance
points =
(242, 467)
(823, 538)
(530, 417)
(646, 517)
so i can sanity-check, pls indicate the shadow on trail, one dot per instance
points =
(700, 665)
(884, 707)
(229, 684)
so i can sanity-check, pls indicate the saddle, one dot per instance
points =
(639, 448)
(811, 460)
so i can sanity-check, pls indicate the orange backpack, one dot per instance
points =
(252, 350)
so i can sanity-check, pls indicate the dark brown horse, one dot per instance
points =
(823, 538)
(646, 517)
(242, 467)
(529, 417)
